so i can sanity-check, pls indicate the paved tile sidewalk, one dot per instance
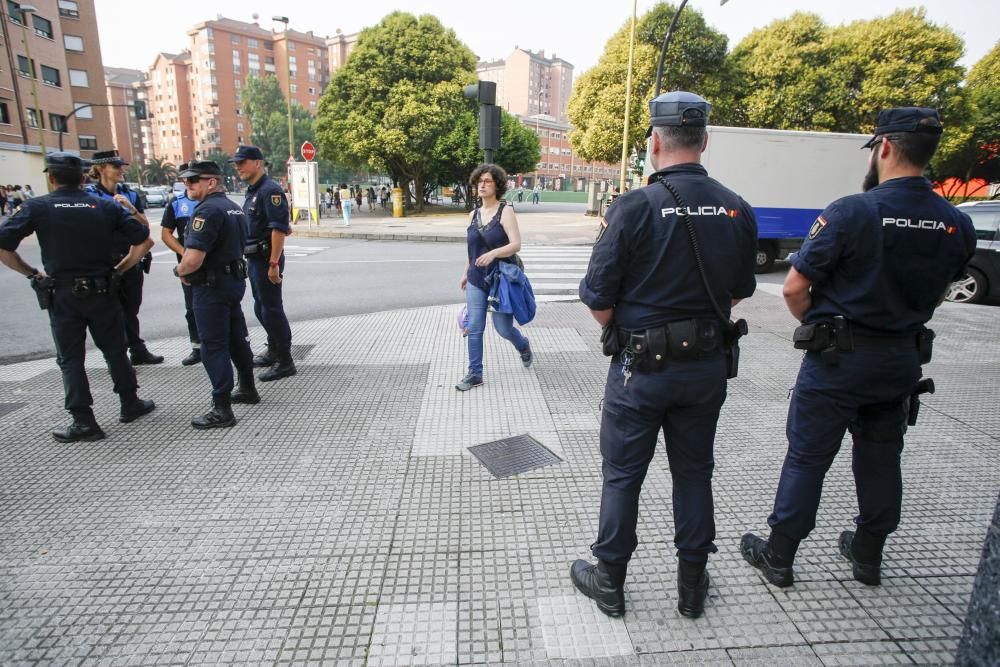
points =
(343, 522)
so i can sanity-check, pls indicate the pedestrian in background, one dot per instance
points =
(665, 300)
(536, 195)
(28, 192)
(864, 285)
(492, 236)
(346, 203)
(371, 198)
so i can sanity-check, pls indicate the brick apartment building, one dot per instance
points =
(124, 87)
(195, 95)
(528, 83)
(66, 69)
(559, 168)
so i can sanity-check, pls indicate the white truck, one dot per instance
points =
(787, 176)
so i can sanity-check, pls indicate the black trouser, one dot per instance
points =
(131, 300)
(268, 305)
(189, 316)
(224, 337)
(70, 317)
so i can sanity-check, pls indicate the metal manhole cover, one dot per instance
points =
(7, 408)
(514, 455)
(300, 352)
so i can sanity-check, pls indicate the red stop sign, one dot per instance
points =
(308, 151)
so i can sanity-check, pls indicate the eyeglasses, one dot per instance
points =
(486, 181)
(192, 179)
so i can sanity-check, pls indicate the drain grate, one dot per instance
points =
(7, 408)
(514, 455)
(300, 352)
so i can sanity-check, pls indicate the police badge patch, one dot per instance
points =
(275, 200)
(817, 227)
(198, 223)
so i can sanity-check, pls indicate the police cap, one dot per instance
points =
(906, 119)
(201, 168)
(109, 157)
(247, 153)
(61, 160)
(678, 108)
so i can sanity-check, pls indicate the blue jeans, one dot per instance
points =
(475, 301)
(346, 206)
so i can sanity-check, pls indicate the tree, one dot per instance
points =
(221, 158)
(266, 110)
(975, 153)
(134, 173)
(457, 153)
(397, 95)
(158, 171)
(695, 61)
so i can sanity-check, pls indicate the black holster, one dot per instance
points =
(925, 347)
(925, 386)
(146, 262)
(255, 248)
(609, 340)
(43, 287)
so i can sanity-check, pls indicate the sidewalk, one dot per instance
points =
(343, 522)
(552, 227)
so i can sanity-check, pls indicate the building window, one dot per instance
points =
(26, 67)
(50, 75)
(235, 39)
(84, 110)
(14, 11)
(4, 114)
(88, 142)
(69, 8)
(237, 83)
(34, 118)
(291, 46)
(294, 88)
(43, 27)
(73, 43)
(253, 43)
(268, 60)
(58, 123)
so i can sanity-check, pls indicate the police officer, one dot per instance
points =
(266, 210)
(667, 328)
(866, 281)
(78, 284)
(213, 264)
(175, 218)
(109, 173)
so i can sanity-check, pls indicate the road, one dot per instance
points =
(324, 278)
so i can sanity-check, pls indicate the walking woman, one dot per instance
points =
(347, 202)
(493, 236)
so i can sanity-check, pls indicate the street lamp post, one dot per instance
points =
(288, 70)
(25, 11)
(539, 133)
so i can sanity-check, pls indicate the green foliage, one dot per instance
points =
(159, 172)
(397, 95)
(265, 108)
(695, 61)
(134, 173)
(221, 158)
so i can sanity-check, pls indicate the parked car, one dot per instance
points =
(982, 278)
(156, 196)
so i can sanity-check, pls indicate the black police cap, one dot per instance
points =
(201, 168)
(678, 108)
(247, 153)
(109, 157)
(63, 160)
(906, 119)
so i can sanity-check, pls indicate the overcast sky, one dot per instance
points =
(134, 31)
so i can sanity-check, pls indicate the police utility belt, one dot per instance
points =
(209, 276)
(82, 288)
(653, 349)
(257, 249)
(831, 338)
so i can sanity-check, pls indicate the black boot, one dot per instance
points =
(220, 416)
(134, 407)
(864, 550)
(83, 429)
(774, 558)
(265, 358)
(692, 588)
(603, 583)
(143, 357)
(246, 392)
(284, 367)
(193, 358)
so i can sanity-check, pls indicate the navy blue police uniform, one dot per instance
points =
(218, 228)
(75, 232)
(134, 278)
(176, 216)
(643, 267)
(879, 263)
(266, 210)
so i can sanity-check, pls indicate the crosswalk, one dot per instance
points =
(555, 271)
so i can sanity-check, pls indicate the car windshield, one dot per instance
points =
(985, 222)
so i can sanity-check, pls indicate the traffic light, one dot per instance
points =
(140, 110)
(640, 162)
(489, 127)
(484, 92)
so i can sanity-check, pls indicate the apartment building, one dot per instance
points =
(125, 86)
(171, 133)
(53, 67)
(339, 47)
(528, 83)
(559, 168)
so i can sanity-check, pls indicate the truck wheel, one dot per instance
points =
(970, 289)
(765, 258)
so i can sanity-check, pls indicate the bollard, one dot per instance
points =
(397, 202)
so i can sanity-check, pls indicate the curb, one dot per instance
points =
(375, 236)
